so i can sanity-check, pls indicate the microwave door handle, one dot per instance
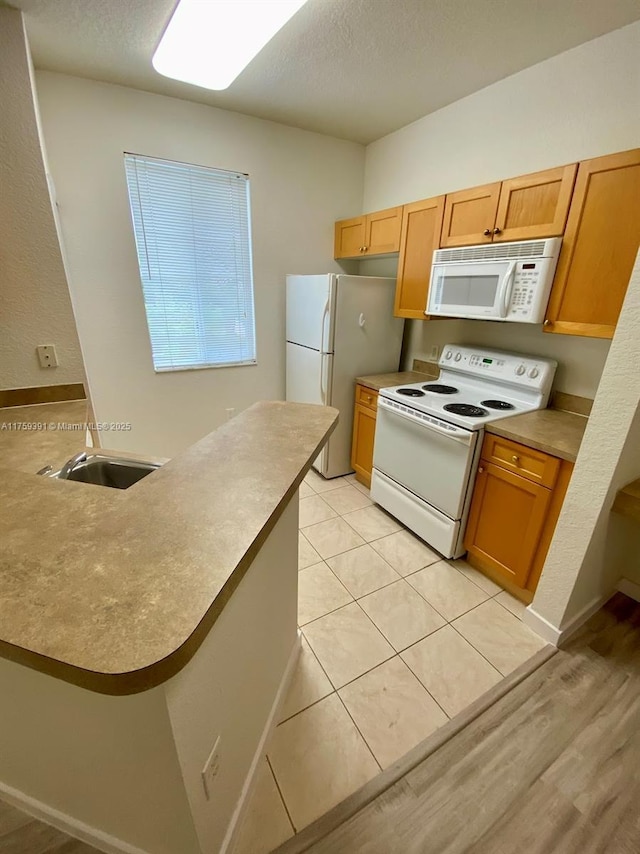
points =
(507, 289)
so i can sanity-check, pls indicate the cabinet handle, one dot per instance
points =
(548, 323)
(480, 470)
(497, 231)
(515, 459)
(362, 248)
(487, 232)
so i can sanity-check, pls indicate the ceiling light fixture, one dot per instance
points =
(209, 42)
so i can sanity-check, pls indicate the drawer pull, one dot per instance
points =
(515, 459)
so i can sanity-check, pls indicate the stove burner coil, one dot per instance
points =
(466, 409)
(438, 388)
(497, 404)
(411, 392)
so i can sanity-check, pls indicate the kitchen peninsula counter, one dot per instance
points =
(115, 590)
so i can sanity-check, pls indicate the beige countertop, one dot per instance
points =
(32, 437)
(114, 590)
(553, 431)
(378, 381)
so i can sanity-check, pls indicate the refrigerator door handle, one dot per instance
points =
(325, 314)
(323, 387)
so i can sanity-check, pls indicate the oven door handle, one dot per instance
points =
(457, 434)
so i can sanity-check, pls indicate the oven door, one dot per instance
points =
(428, 456)
(480, 290)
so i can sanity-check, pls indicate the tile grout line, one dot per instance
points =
(503, 675)
(439, 705)
(352, 719)
(284, 803)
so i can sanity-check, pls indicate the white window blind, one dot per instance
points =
(193, 237)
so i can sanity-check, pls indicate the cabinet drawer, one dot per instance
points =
(534, 465)
(366, 397)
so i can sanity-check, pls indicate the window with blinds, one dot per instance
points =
(193, 238)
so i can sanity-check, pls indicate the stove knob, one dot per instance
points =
(448, 354)
(457, 357)
(533, 373)
(520, 370)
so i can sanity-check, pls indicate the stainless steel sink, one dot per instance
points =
(116, 472)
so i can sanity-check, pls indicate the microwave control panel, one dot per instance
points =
(525, 285)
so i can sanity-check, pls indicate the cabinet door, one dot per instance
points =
(349, 237)
(383, 231)
(470, 215)
(535, 205)
(599, 247)
(364, 428)
(421, 226)
(506, 520)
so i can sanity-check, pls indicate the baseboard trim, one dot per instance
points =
(630, 589)
(41, 394)
(541, 626)
(66, 823)
(272, 721)
(558, 635)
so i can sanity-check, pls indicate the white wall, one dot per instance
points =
(301, 183)
(587, 556)
(36, 308)
(579, 104)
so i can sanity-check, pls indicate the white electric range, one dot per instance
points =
(429, 436)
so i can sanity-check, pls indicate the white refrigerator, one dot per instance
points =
(338, 328)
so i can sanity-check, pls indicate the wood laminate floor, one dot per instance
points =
(552, 768)
(22, 834)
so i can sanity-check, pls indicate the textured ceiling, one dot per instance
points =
(357, 69)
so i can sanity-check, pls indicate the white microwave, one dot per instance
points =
(499, 281)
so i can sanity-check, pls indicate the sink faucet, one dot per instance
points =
(69, 466)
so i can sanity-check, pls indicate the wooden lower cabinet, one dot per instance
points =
(364, 429)
(514, 510)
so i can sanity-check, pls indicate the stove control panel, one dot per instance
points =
(535, 373)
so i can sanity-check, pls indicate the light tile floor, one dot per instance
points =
(395, 641)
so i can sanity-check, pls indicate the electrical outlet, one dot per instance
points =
(211, 768)
(47, 356)
(231, 411)
(435, 352)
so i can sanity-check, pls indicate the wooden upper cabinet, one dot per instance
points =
(599, 247)
(372, 234)
(421, 227)
(534, 206)
(383, 231)
(469, 216)
(349, 237)
(523, 208)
